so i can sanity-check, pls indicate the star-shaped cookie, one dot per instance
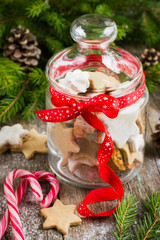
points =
(60, 216)
(129, 157)
(63, 139)
(12, 136)
(36, 143)
(124, 126)
(100, 82)
(74, 164)
(88, 150)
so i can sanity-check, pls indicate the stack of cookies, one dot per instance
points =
(79, 142)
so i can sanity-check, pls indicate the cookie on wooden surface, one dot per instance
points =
(36, 143)
(12, 136)
(60, 216)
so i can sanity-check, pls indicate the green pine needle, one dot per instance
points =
(36, 8)
(53, 45)
(147, 228)
(57, 22)
(125, 217)
(104, 9)
(11, 77)
(38, 78)
(11, 105)
(35, 102)
(152, 77)
(20, 92)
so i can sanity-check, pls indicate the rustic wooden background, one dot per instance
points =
(147, 181)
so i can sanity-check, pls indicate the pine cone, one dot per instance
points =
(22, 48)
(156, 136)
(150, 57)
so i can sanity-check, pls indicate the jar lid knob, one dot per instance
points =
(94, 29)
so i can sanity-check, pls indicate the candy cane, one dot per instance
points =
(21, 190)
(18, 194)
(54, 187)
(12, 201)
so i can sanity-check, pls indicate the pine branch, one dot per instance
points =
(149, 228)
(104, 9)
(38, 79)
(10, 106)
(10, 88)
(53, 44)
(12, 77)
(125, 217)
(36, 8)
(152, 203)
(152, 77)
(35, 102)
(56, 21)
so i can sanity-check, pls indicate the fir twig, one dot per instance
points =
(36, 8)
(152, 77)
(8, 107)
(125, 217)
(20, 92)
(149, 228)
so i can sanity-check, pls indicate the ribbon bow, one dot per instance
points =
(67, 109)
(101, 103)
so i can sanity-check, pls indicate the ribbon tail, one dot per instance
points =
(115, 191)
(102, 194)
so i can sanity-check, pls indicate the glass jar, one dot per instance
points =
(81, 72)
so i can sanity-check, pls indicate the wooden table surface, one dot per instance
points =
(147, 181)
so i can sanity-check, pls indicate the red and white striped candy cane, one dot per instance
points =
(21, 190)
(54, 187)
(12, 201)
(18, 194)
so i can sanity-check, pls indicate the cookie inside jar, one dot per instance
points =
(78, 142)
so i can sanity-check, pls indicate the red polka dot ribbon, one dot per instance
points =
(68, 108)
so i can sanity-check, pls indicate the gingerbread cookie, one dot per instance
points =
(133, 165)
(130, 157)
(82, 128)
(74, 164)
(60, 216)
(88, 150)
(12, 136)
(63, 139)
(36, 143)
(140, 124)
(108, 72)
(100, 82)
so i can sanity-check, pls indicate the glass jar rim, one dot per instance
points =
(135, 81)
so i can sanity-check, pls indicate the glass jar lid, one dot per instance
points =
(92, 66)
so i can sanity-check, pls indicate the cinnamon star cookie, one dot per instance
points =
(88, 150)
(60, 216)
(12, 136)
(36, 143)
(63, 139)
